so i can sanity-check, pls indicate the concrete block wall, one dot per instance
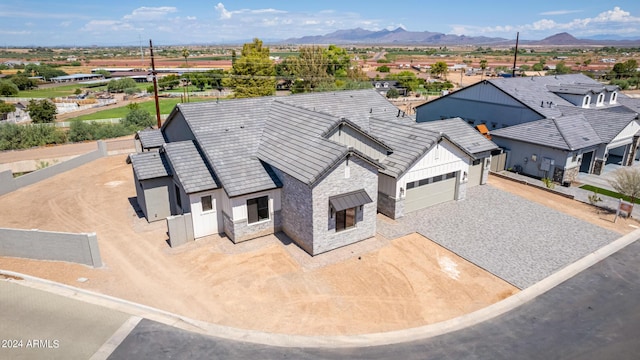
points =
(49, 245)
(180, 229)
(9, 183)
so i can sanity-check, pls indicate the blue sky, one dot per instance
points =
(127, 23)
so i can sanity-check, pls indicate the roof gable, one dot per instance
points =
(567, 133)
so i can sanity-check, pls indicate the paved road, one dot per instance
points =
(594, 315)
(39, 325)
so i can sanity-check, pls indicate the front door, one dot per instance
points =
(204, 210)
(586, 162)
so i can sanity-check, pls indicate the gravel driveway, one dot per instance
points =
(516, 239)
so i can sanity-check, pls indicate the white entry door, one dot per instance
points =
(204, 210)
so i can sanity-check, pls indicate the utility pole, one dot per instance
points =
(515, 56)
(155, 84)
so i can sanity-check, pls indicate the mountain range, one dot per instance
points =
(401, 36)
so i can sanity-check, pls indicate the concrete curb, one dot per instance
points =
(346, 341)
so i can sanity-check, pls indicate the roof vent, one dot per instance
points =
(399, 111)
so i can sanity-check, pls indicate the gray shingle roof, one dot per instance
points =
(461, 133)
(408, 142)
(189, 166)
(150, 138)
(241, 139)
(150, 165)
(566, 133)
(535, 92)
(229, 133)
(292, 142)
(607, 122)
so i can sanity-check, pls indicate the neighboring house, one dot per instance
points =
(20, 115)
(383, 86)
(316, 166)
(551, 126)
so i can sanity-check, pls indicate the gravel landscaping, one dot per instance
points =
(516, 239)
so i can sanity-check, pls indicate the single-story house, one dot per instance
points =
(549, 126)
(318, 167)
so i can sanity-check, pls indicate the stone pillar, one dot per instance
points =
(631, 154)
(598, 165)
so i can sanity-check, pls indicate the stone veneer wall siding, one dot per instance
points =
(296, 210)
(243, 231)
(362, 176)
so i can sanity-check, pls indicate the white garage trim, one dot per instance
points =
(475, 174)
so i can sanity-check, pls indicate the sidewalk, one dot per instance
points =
(607, 203)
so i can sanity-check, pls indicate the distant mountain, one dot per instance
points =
(401, 36)
(398, 36)
(559, 39)
(566, 39)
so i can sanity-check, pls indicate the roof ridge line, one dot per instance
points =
(555, 122)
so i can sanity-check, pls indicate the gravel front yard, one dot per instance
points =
(516, 239)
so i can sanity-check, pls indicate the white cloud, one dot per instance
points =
(105, 26)
(65, 24)
(615, 21)
(14, 32)
(224, 14)
(149, 13)
(559, 12)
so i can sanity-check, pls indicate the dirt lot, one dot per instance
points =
(266, 284)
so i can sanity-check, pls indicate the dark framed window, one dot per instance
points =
(207, 203)
(178, 199)
(345, 219)
(258, 209)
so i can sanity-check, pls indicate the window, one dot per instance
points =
(586, 101)
(345, 219)
(207, 204)
(258, 209)
(600, 100)
(614, 97)
(178, 200)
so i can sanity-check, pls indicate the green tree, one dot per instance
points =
(137, 118)
(254, 72)
(538, 67)
(23, 82)
(104, 73)
(7, 88)
(6, 108)
(310, 69)
(42, 111)
(338, 61)
(625, 69)
(120, 85)
(483, 67)
(562, 68)
(383, 69)
(393, 94)
(407, 79)
(439, 69)
(169, 82)
(185, 55)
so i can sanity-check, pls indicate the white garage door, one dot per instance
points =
(428, 192)
(475, 174)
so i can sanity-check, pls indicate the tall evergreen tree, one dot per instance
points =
(254, 72)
